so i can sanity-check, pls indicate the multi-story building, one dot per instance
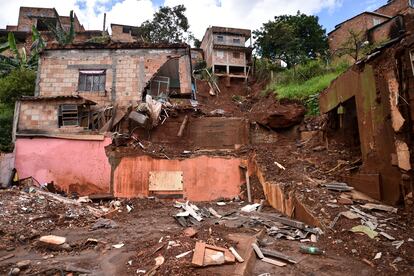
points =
(225, 51)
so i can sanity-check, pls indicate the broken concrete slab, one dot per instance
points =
(372, 206)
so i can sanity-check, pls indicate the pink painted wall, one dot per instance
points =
(205, 178)
(74, 165)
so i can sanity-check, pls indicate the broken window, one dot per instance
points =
(68, 115)
(92, 80)
(126, 30)
(74, 115)
(236, 40)
(220, 54)
(220, 38)
(236, 55)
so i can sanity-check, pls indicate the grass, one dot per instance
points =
(304, 89)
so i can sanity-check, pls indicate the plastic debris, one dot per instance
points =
(364, 229)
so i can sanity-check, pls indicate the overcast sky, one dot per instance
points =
(248, 14)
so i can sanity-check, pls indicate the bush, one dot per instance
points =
(6, 124)
(20, 82)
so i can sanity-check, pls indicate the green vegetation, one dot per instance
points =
(304, 82)
(6, 123)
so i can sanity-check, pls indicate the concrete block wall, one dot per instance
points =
(119, 35)
(127, 72)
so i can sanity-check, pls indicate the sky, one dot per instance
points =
(250, 14)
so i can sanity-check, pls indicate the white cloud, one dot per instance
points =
(248, 14)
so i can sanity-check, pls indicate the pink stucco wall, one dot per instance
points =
(74, 165)
(205, 177)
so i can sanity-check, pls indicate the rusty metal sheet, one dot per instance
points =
(165, 180)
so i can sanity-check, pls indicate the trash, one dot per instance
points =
(117, 246)
(364, 215)
(258, 251)
(84, 199)
(214, 212)
(364, 229)
(217, 112)
(279, 255)
(172, 243)
(250, 207)
(370, 224)
(350, 215)
(183, 254)
(273, 262)
(14, 271)
(368, 262)
(410, 240)
(236, 254)
(9, 256)
(130, 262)
(385, 208)
(141, 271)
(338, 186)
(190, 232)
(397, 260)
(397, 244)
(205, 255)
(52, 240)
(104, 223)
(378, 256)
(313, 238)
(262, 203)
(129, 208)
(311, 250)
(280, 166)
(159, 260)
(220, 203)
(139, 118)
(391, 238)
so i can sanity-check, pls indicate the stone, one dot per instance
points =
(23, 264)
(52, 240)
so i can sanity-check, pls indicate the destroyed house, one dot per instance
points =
(370, 106)
(225, 51)
(41, 18)
(86, 93)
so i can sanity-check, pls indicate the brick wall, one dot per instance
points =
(127, 72)
(228, 58)
(361, 23)
(384, 32)
(39, 115)
(119, 35)
(395, 7)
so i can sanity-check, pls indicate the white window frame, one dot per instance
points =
(220, 54)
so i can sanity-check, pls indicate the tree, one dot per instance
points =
(197, 43)
(20, 82)
(169, 25)
(356, 45)
(293, 39)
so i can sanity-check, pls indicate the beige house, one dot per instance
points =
(225, 51)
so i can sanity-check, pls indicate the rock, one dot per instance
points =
(15, 271)
(104, 223)
(23, 264)
(52, 240)
(65, 246)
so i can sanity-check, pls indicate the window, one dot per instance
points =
(126, 30)
(220, 38)
(376, 21)
(220, 54)
(92, 80)
(68, 115)
(236, 54)
(236, 40)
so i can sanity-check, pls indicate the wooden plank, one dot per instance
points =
(165, 180)
(198, 256)
(369, 184)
